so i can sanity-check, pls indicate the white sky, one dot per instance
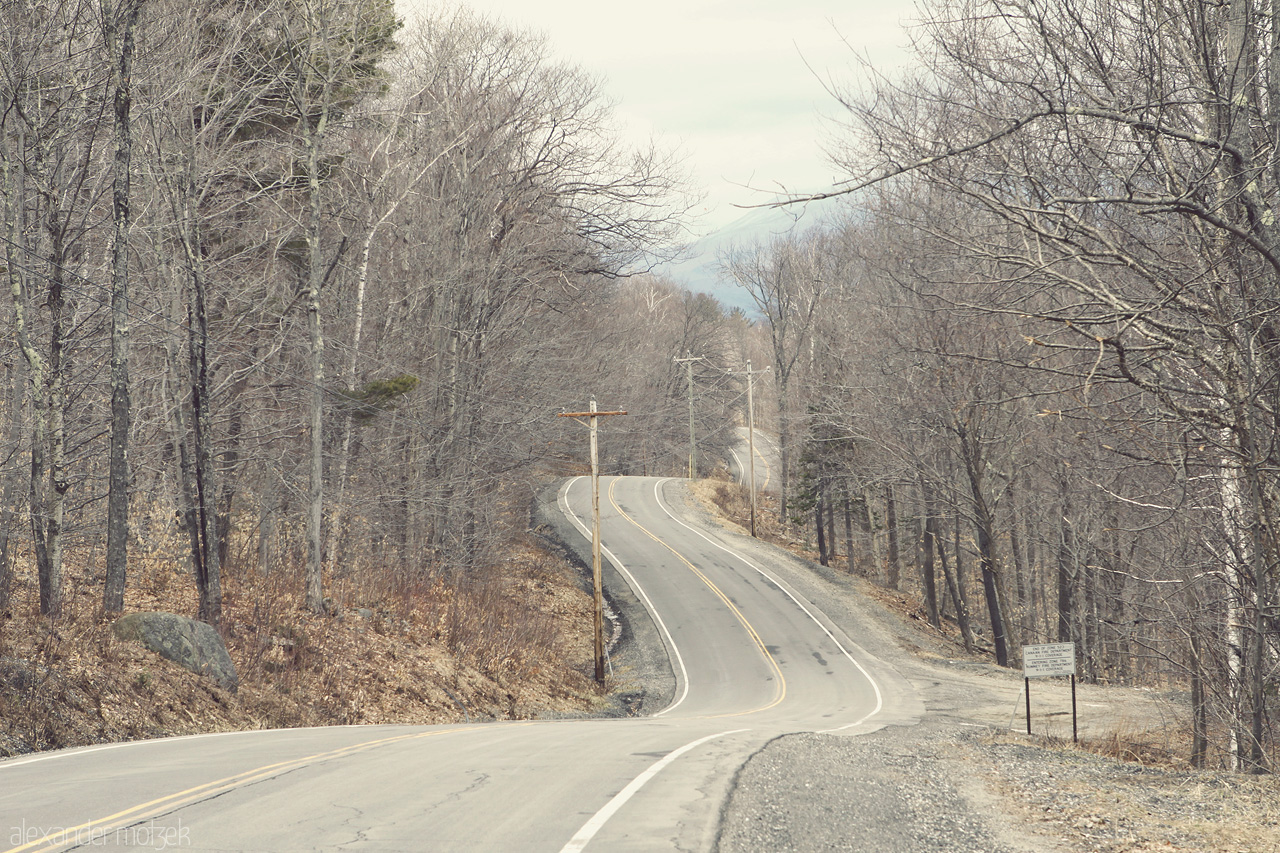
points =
(736, 85)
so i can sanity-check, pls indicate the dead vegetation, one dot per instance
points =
(505, 643)
(1127, 787)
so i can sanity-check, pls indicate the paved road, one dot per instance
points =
(767, 458)
(752, 660)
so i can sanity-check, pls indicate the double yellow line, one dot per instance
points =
(111, 824)
(781, 685)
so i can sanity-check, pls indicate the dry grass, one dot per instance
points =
(510, 642)
(1127, 787)
(1116, 804)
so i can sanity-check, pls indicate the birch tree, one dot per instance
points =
(331, 50)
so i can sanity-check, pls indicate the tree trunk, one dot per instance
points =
(315, 342)
(990, 581)
(955, 587)
(927, 544)
(203, 477)
(1020, 579)
(1089, 576)
(971, 453)
(357, 333)
(830, 505)
(14, 246)
(8, 512)
(1066, 568)
(893, 569)
(194, 441)
(48, 467)
(823, 557)
(1199, 708)
(118, 35)
(869, 536)
(848, 531)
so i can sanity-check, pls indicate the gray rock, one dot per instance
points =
(190, 644)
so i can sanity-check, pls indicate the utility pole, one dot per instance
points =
(596, 583)
(688, 361)
(751, 441)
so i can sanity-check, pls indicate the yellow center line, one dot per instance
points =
(768, 472)
(781, 689)
(154, 808)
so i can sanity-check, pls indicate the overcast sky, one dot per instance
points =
(737, 85)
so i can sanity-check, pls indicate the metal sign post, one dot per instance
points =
(1050, 659)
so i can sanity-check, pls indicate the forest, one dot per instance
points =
(1035, 360)
(299, 287)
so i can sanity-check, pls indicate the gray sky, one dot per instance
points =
(736, 85)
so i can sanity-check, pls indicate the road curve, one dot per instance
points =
(752, 660)
(767, 460)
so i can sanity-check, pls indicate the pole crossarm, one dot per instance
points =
(586, 415)
(596, 581)
(688, 361)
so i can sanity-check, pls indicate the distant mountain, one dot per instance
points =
(698, 271)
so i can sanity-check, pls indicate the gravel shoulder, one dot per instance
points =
(957, 771)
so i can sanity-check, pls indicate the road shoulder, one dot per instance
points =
(967, 778)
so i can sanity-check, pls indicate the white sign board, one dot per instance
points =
(1049, 659)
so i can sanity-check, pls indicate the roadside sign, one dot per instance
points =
(1049, 659)
(1046, 660)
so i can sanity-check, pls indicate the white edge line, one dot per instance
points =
(589, 829)
(67, 753)
(639, 590)
(85, 750)
(738, 460)
(657, 492)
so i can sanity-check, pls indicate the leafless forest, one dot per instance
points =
(1039, 352)
(308, 284)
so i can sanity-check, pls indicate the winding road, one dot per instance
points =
(752, 658)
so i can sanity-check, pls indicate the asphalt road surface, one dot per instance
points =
(752, 660)
(767, 460)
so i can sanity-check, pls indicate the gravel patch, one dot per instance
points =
(869, 794)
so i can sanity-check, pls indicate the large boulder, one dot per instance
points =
(193, 645)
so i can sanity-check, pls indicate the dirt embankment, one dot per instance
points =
(509, 643)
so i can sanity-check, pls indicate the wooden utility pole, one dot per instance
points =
(751, 442)
(596, 584)
(688, 361)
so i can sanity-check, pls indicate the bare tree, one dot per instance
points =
(1128, 155)
(785, 280)
(49, 126)
(332, 54)
(118, 28)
